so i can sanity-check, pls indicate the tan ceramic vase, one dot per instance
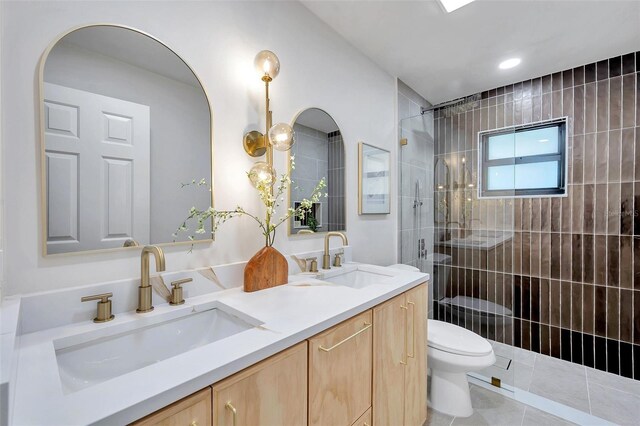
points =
(267, 268)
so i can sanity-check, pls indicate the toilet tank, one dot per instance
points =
(441, 270)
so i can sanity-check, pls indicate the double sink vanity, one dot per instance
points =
(337, 345)
(341, 346)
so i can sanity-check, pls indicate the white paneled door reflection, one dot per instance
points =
(97, 153)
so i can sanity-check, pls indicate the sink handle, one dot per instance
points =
(176, 291)
(104, 306)
(314, 264)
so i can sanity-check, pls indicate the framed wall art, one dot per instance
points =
(373, 180)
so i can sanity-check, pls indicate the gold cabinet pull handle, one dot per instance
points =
(366, 327)
(406, 331)
(413, 330)
(234, 412)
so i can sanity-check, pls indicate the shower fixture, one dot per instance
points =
(457, 106)
(417, 212)
(416, 199)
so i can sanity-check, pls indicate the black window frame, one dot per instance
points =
(560, 157)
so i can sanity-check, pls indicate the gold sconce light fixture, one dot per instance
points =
(279, 136)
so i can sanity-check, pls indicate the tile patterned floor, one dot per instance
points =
(493, 409)
(608, 396)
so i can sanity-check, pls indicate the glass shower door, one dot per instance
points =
(415, 164)
(468, 240)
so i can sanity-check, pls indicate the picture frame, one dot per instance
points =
(374, 182)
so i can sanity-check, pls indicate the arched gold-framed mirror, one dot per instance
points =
(319, 152)
(126, 136)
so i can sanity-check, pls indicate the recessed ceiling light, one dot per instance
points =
(509, 63)
(451, 5)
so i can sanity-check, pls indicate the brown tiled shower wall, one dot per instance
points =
(570, 273)
(335, 183)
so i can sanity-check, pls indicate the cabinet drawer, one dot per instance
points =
(272, 392)
(194, 410)
(364, 420)
(340, 372)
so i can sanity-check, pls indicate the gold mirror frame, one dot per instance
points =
(310, 233)
(42, 158)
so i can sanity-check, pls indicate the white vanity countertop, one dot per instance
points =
(289, 314)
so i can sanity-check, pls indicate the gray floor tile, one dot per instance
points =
(437, 419)
(535, 417)
(506, 376)
(545, 361)
(522, 375)
(476, 419)
(523, 356)
(613, 381)
(560, 381)
(613, 405)
(491, 408)
(502, 349)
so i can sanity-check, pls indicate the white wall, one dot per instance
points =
(2, 275)
(180, 139)
(2, 285)
(219, 40)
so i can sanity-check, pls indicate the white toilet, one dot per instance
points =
(452, 352)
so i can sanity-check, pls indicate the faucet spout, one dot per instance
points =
(326, 258)
(144, 291)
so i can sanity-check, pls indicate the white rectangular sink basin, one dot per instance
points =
(100, 359)
(359, 276)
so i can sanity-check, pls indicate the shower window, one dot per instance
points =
(524, 161)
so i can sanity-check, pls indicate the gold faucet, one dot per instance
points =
(144, 291)
(326, 258)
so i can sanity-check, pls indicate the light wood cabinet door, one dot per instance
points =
(194, 410)
(272, 392)
(399, 360)
(340, 370)
(364, 420)
(389, 358)
(415, 399)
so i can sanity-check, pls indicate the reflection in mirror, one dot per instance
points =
(319, 153)
(125, 124)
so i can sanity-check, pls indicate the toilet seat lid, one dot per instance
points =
(457, 340)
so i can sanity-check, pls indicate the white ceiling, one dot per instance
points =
(447, 56)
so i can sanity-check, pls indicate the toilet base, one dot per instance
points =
(449, 393)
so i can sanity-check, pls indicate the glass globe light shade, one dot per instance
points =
(281, 136)
(261, 172)
(267, 64)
